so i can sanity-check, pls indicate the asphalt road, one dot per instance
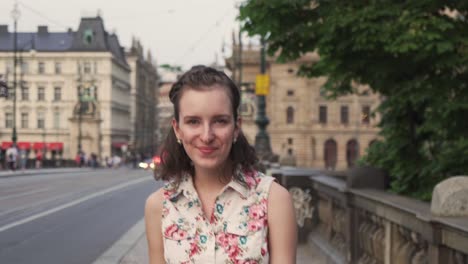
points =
(69, 217)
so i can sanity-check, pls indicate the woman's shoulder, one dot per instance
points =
(155, 200)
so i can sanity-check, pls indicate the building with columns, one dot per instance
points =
(73, 90)
(305, 129)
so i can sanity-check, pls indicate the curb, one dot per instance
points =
(124, 245)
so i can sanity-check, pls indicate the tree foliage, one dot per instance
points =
(413, 53)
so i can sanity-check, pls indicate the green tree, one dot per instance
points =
(413, 53)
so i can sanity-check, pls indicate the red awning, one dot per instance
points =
(6, 144)
(39, 145)
(24, 145)
(119, 144)
(55, 146)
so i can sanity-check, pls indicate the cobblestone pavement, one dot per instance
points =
(306, 254)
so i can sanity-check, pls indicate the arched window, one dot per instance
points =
(290, 115)
(352, 152)
(330, 154)
(372, 142)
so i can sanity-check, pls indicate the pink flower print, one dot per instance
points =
(194, 248)
(257, 211)
(233, 240)
(170, 230)
(263, 251)
(179, 235)
(167, 194)
(165, 211)
(250, 181)
(233, 252)
(255, 225)
(222, 239)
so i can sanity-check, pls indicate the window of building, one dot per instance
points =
(87, 67)
(290, 151)
(56, 119)
(344, 115)
(323, 114)
(58, 67)
(290, 141)
(290, 115)
(9, 67)
(366, 114)
(290, 93)
(41, 120)
(290, 70)
(330, 154)
(57, 93)
(25, 93)
(24, 120)
(323, 92)
(24, 67)
(352, 152)
(95, 67)
(8, 120)
(41, 67)
(41, 93)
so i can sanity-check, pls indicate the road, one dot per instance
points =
(69, 217)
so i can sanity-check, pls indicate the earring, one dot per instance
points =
(179, 141)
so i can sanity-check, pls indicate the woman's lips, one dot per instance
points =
(206, 150)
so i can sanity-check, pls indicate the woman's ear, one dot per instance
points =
(175, 127)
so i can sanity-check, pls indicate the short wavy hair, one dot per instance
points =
(175, 162)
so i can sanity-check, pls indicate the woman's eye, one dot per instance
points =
(192, 121)
(222, 121)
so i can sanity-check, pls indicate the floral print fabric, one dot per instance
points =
(235, 233)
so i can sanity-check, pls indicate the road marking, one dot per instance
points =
(91, 196)
(23, 194)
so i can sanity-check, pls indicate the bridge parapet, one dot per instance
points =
(354, 220)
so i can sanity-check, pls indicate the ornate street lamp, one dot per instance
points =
(15, 14)
(262, 139)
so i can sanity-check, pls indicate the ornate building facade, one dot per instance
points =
(305, 129)
(144, 99)
(72, 92)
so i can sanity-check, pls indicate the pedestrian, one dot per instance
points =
(12, 156)
(23, 158)
(39, 158)
(216, 207)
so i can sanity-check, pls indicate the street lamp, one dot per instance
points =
(15, 14)
(262, 139)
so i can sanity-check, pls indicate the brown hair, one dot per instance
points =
(174, 160)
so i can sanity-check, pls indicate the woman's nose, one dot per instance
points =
(207, 133)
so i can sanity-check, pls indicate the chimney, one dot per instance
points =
(3, 29)
(42, 30)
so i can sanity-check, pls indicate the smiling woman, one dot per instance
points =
(216, 207)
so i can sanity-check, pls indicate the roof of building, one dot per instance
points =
(91, 36)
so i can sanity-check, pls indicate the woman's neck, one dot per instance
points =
(215, 180)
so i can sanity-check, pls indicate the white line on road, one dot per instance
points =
(23, 194)
(91, 196)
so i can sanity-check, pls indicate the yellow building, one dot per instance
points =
(305, 129)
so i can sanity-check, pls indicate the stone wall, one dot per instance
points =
(355, 223)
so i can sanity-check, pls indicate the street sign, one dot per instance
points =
(262, 84)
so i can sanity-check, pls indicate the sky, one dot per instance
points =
(177, 32)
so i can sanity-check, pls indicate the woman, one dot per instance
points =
(215, 208)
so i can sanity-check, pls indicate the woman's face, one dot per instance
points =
(206, 126)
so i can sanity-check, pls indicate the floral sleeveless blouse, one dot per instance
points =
(235, 233)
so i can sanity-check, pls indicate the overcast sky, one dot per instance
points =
(178, 32)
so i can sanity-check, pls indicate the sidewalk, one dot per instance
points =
(28, 172)
(132, 249)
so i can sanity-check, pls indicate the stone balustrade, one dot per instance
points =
(352, 219)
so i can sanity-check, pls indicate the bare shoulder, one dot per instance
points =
(154, 202)
(279, 194)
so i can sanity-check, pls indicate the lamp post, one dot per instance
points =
(15, 14)
(262, 139)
